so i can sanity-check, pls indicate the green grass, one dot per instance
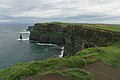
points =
(76, 74)
(115, 28)
(109, 55)
(62, 24)
(70, 65)
(23, 70)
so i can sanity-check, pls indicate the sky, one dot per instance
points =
(79, 11)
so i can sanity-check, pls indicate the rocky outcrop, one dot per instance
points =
(74, 37)
(30, 28)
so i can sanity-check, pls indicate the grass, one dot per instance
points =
(68, 74)
(23, 70)
(109, 55)
(62, 24)
(115, 28)
(110, 27)
(76, 74)
(71, 66)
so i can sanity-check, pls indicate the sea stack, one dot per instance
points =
(20, 36)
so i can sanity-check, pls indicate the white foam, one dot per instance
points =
(24, 39)
(61, 48)
(25, 32)
(62, 52)
(42, 44)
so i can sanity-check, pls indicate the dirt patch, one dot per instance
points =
(48, 77)
(101, 71)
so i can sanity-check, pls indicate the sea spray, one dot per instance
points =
(24, 39)
(24, 32)
(46, 44)
(62, 52)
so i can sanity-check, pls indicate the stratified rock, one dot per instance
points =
(74, 37)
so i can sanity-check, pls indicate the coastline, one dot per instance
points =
(71, 66)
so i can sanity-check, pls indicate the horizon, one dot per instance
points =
(75, 11)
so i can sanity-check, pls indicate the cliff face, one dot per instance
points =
(47, 33)
(46, 37)
(73, 37)
(79, 37)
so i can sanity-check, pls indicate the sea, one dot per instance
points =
(13, 50)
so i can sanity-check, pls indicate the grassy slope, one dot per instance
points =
(21, 70)
(109, 55)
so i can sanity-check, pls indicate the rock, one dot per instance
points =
(73, 37)
(30, 28)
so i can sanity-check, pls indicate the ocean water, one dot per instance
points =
(13, 50)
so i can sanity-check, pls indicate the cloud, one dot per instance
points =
(60, 10)
(4, 6)
(6, 20)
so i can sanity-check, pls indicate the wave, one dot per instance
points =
(24, 30)
(25, 39)
(42, 44)
(59, 56)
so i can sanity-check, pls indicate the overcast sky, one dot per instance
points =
(83, 11)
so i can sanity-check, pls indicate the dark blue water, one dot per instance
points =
(13, 50)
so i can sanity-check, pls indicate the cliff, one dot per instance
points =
(74, 37)
(48, 33)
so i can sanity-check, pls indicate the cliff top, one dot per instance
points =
(115, 28)
(110, 27)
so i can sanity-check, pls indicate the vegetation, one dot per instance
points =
(52, 23)
(23, 70)
(109, 55)
(56, 23)
(76, 74)
(115, 28)
(110, 27)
